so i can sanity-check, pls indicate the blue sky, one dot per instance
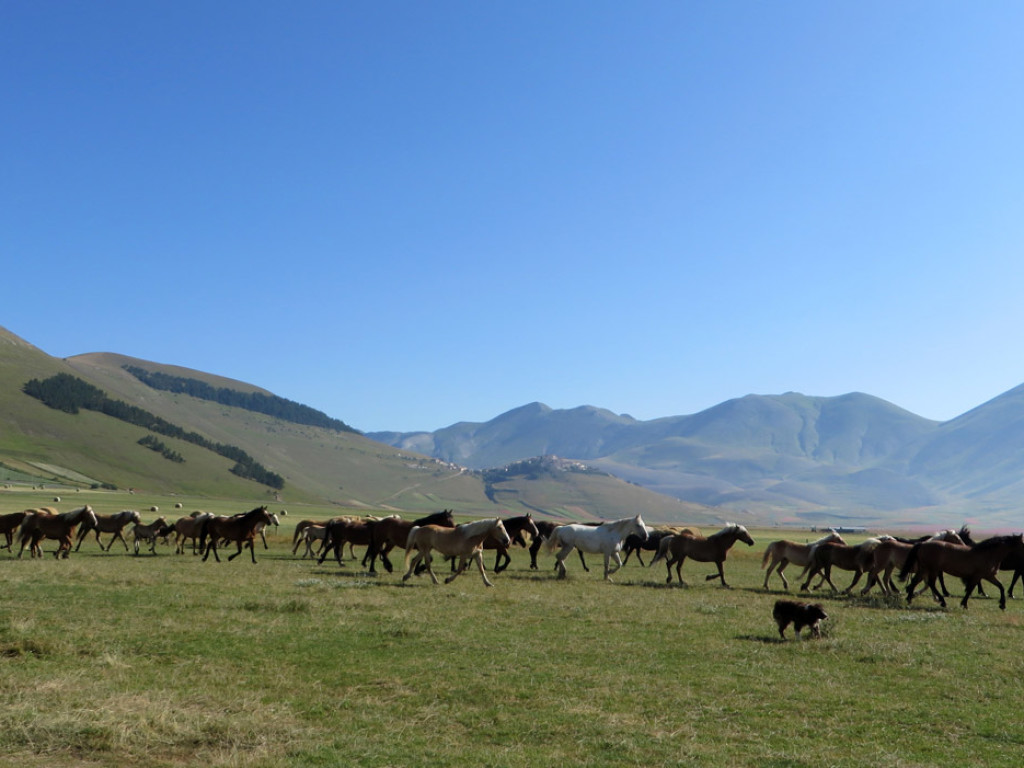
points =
(408, 214)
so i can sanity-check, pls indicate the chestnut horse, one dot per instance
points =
(892, 554)
(972, 564)
(240, 529)
(783, 552)
(114, 524)
(465, 541)
(347, 530)
(394, 532)
(713, 549)
(41, 525)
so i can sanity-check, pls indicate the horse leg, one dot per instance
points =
(853, 583)
(1009, 593)
(534, 549)
(583, 561)
(1002, 592)
(781, 572)
(251, 544)
(560, 560)
(768, 573)
(618, 564)
(479, 556)
(720, 575)
(427, 560)
(938, 595)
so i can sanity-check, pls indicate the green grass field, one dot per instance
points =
(111, 659)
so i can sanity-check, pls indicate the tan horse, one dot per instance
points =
(240, 529)
(465, 541)
(394, 532)
(42, 524)
(783, 552)
(186, 528)
(713, 549)
(826, 556)
(972, 564)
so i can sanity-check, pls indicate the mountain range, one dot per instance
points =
(854, 459)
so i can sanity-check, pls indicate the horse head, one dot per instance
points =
(640, 528)
(499, 534)
(742, 534)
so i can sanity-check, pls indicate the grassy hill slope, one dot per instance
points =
(320, 466)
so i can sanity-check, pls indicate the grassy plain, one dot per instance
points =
(111, 659)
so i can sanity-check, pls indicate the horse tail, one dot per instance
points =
(663, 546)
(204, 526)
(410, 544)
(910, 564)
(767, 555)
(298, 530)
(554, 539)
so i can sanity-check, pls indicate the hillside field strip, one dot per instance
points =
(110, 659)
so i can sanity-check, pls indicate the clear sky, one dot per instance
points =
(409, 213)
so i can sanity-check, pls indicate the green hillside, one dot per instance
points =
(319, 466)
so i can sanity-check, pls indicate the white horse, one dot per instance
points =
(605, 539)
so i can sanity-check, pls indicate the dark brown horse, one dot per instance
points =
(515, 527)
(240, 529)
(634, 544)
(347, 530)
(9, 524)
(971, 564)
(713, 549)
(114, 524)
(393, 532)
(41, 525)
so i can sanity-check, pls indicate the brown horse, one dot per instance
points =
(713, 549)
(394, 532)
(187, 528)
(972, 564)
(240, 529)
(114, 524)
(635, 544)
(857, 558)
(41, 525)
(783, 552)
(9, 524)
(465, 541)
(892, 554)
(347, 530)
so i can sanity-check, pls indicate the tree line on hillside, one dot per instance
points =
(70, 394)
(269, 405)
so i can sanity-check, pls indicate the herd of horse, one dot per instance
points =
(919, 561)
